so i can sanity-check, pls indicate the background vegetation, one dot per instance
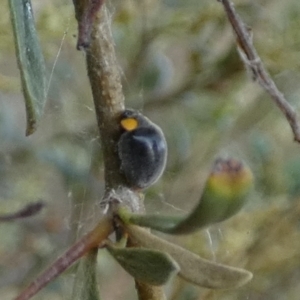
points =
(180, 66)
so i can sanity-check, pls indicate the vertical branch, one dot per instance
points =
(103, 72)
(104, 76)
(108, 100)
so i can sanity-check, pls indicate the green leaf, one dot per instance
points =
(30, 61)
(85, 286)
(224, 194)
(157, 222)
(192, 267)
(149, 266)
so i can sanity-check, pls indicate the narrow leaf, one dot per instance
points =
(149, 266)
(192, 267)
(30, 61)
(85, 286)
(225, 193)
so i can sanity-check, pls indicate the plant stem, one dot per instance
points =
(103, 72)
(104, 76)
(87, 243)
(109, 102)
(253, 62)
(147, 292)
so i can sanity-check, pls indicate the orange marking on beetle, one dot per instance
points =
(129, 124)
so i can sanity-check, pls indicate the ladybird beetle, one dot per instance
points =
(142, 149)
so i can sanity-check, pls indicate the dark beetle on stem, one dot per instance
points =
(142, 149)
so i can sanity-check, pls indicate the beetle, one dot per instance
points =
(142, 149)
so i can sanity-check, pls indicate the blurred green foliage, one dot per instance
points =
(180, 66)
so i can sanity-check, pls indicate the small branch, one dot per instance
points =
(29, 210)
(86, 22)
(104, 75)
(253, 62)
(105, 80)
(87, 243)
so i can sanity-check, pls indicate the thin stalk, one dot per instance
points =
(104, 75)
(87, 243)
(147, 292)
(254, 64)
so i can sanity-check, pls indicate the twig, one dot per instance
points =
(86, 13)
(29, 210)
(105, 80)
(253, 62)
(89, 242)
(103, 73)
